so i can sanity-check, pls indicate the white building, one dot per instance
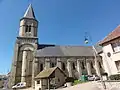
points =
(111, 52)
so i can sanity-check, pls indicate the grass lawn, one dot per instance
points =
(78, 82)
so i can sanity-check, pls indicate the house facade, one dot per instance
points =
(111, 52)
(50, 78)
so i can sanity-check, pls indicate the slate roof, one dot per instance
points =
(98, 48)
(65, 51)
(113, 35)
(47, 73)
(29, 12)
(40, 46)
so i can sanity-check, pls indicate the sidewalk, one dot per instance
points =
(84, 86)
(93, 85)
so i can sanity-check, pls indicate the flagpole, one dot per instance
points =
(97, 67)
(96, 63)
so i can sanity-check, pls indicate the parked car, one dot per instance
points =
(97, 78)
(93, 78)
(90, 78)
(19, 85)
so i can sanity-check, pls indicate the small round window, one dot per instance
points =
(109, 54)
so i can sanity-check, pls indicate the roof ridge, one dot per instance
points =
(75, 46)
(113, 30)
(102, 41)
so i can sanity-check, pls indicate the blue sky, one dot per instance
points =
(61, 22)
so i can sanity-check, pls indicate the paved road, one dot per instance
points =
(83, 86)
(6, 89)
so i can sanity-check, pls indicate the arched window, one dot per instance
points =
(63, 66)
(52, 64)
(100, 65)
(83, 66)
(41, 67)
(73, 66)
(28, 28)
(91, 65)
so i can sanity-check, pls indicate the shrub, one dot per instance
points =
(77, 82)
(69, 79)
(106, 74)
(115, 77)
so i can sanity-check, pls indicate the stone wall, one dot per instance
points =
(59, 78)
(73, 65)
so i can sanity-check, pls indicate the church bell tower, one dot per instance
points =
(28, 24)
(26, 44)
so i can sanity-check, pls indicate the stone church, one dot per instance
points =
(31, 57)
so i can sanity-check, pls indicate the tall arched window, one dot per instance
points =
(52, 64)
(83, 66)
(100, 65)
(91, 64)
(63, 66)
(41, 67)
(73, 66)
(28, 28)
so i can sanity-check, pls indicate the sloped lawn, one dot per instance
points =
(79, 82)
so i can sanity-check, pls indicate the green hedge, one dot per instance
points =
(115, 77)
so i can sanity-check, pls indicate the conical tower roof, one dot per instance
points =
(29, 12)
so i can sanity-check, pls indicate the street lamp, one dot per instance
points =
(96, 63)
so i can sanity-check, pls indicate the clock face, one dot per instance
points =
(109, 54)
